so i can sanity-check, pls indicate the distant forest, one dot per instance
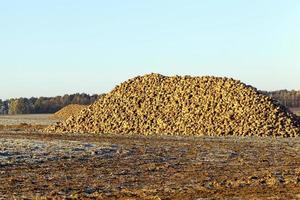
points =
(43, 104)
(287, 98)
(52, 104)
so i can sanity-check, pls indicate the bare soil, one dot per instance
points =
(32, 119)
(296, 110)
(38, 165)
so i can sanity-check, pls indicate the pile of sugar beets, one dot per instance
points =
(183, 105)
(68, 111)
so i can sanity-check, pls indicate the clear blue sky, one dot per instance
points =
(55, 47)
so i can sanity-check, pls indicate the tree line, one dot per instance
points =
(35, 105)
(287, 98)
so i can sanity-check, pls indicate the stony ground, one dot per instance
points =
(36, 165)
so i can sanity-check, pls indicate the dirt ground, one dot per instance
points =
(33, 119)
(35, 165)
(296, 111)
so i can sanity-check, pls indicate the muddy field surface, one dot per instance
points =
(296, 111)
(32, 119)
(119, 167)
(29, 123)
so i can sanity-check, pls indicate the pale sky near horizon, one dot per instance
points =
(50, 48)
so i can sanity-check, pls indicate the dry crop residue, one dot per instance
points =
(156, 104)
(68, 111)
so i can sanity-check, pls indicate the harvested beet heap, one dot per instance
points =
(68, 111)
(156, 104)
